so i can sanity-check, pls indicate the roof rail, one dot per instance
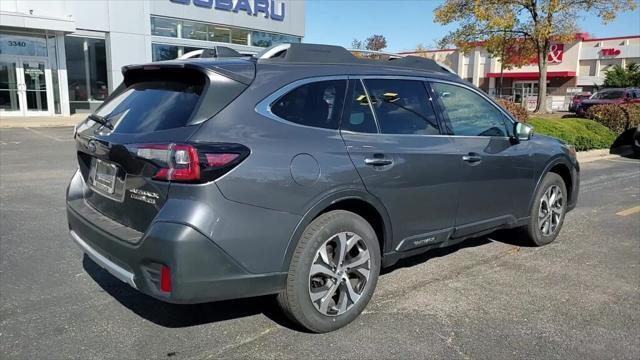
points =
(215, 52)
(372, 54)
(297, 53)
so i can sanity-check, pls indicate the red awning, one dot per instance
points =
(532, 75)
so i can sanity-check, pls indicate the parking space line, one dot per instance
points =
(47, 135)
(629, 161)
(630, 211)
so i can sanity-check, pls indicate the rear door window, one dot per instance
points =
(316, 104)
(152, 106)
(358, 114)
(402, 107)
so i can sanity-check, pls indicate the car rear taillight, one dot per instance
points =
(191, 162)
(165, 279)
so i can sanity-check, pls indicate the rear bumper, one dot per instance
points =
(200, 270)
(105, 263)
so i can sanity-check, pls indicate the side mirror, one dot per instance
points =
(523, 132)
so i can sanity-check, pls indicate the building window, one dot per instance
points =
(608, 64)
(587, 68)
(86, 72)
(164, 27)
(210, 32)
(632, 61)
(163, 52)
(264, 39)
(193, 30)
(53, 51)
(240, 37)
(220, 34)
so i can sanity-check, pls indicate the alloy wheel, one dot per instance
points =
(550, 211)
(339, 273)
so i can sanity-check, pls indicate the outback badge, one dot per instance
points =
(144, 195)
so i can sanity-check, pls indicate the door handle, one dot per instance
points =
(472, 158)
(378, 161)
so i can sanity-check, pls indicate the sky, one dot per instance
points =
(407, 23)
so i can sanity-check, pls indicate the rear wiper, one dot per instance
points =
(101, 120)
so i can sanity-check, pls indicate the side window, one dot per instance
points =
(402, 107)
(316, 104)
(468, 113)
(359, 117)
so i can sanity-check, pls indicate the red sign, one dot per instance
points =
(555, 55)
(610, 52)
(556, 51)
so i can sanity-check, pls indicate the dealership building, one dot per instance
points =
(59, 57)
(573, 67)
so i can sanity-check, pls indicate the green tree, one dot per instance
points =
(376, 42)
(357, 44)
(618, 76)
(535, 24)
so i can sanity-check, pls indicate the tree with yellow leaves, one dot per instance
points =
(527, 27)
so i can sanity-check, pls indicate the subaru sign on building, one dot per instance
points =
(65, 56)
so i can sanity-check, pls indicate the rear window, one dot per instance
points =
(152, 106)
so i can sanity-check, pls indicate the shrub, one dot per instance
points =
(618, 118)
(584, 134)
(516, 110)
(633, 114)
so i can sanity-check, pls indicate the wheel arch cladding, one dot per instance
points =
(564, 172)
(367, 211)
(557, 165)
(374, 213)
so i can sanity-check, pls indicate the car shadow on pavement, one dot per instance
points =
(179, 315)
(433, 254)
(509, 236)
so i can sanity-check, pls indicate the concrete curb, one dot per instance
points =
(602, 154)
(53, 121)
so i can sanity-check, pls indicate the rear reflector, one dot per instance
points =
(191, 163)
(165, 279)
(218, 160)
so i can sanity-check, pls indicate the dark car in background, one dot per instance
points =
(609, 96)
(302, 172)
(577, 99)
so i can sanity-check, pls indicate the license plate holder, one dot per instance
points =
(104, 176)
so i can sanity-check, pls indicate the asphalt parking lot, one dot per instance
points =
(490, 298)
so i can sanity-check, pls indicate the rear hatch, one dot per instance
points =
(136, 144)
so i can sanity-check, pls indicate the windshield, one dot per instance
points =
(608, 95)
(151, 106)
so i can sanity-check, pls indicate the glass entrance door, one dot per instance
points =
(34, 87)
(9, 93)
(24, 87)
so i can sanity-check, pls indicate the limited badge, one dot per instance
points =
(144, 195)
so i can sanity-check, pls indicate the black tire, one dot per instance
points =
(296, 301)
(533, 230)
(635, 143)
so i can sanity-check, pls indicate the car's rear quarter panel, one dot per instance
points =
(265, 178)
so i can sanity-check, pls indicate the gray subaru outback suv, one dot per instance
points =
(301, 172)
